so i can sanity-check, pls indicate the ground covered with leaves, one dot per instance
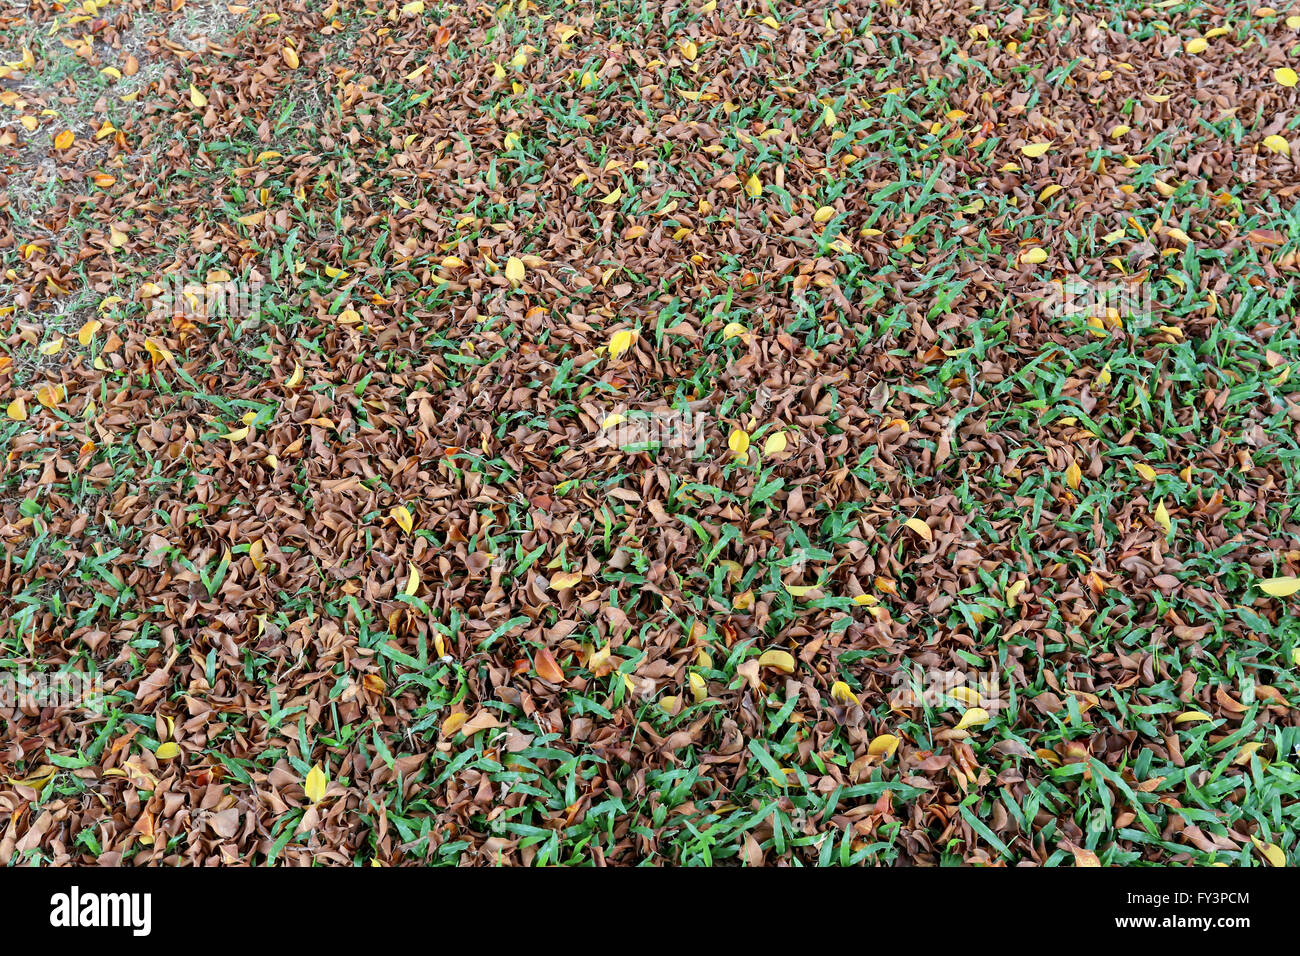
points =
(649, 433)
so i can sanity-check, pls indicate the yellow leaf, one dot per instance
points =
(1013, 591)
(967, 696)
(620, 342)
(1034, 256)
(599, 658)
(1246, 752)
(1280, 587)
(738, 441)
(17, 410)
(1048, 192)
(973, 718)
(87, 332)
(1034, 150)
(1196, 45)
(256, 550)
(920, 527)
(159, 353)
(1162, 516)
(1277, 144)
(64, 140)
(753, 188)
(515, 270)
(778, 660)
(699, 688)
(1146, 471)
(1117, 131)
(402, 516)
(315, 784)
(734, 330)
(453, 723)
(564, 580)
(775, 444)
(295, 379)
(734, 571)
(883, 746)
(197, 99)
(291, 57)
(44, 774)
(239, 434)
(842, 694)
(1285, 76)
(612, 197)
(824, 214)
(412, 582)
(1272, 852)
(415, 6)
(799, 590)
(168, 750)
(1192, 717)
(53, 347)
(1073, 475)
(50, 395)
(668, 705)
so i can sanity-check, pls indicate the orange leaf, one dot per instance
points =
(547, 668)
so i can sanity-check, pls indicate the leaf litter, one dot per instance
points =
(659, 433)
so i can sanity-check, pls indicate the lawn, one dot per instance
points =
(630, 433)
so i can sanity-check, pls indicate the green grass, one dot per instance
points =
(907, 303)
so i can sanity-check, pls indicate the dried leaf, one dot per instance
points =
(547, 668)
(402, 517)
(973, 717)
(883, 745)
(920, 527)
(778, 660)
(315, 783)
(1280, 587)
